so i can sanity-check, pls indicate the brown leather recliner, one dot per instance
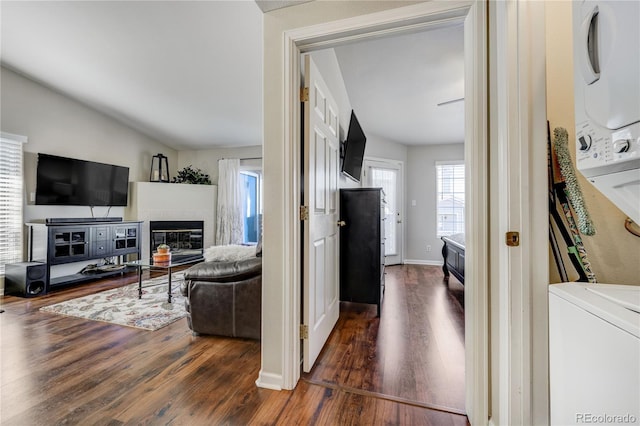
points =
(224, 298)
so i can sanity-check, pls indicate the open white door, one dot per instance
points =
(321, 286)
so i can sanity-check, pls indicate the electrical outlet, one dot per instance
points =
(428, 247)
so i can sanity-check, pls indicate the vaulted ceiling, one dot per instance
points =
(189, 74)
(408, 88)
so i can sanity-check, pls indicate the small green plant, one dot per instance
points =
(191, 175)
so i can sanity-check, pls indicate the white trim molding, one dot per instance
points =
(269, 381)
(518, 203)
(422, 262)
(409, 18)
(476, 147)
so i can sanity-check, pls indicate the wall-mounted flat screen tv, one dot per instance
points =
(63, 181)
(354, 149)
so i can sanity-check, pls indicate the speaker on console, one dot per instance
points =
(25, 279)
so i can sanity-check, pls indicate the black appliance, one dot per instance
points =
(65, 181)
(354, 149)
(25, 279)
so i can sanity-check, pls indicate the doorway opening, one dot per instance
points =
(382, 173)
(410, 18)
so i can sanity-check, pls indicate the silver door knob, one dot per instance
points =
(341, 223)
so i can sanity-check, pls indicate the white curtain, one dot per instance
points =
(229, 223)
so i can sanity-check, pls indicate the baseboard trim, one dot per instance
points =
(269, 381)
(423, 262)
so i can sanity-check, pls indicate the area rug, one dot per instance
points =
(121, 305)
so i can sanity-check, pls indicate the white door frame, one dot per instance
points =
(519, 275)
(400, 207)
(410, 18)
(525, 88)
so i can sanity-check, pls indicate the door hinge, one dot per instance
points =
(304, 94)
(304, 332)
(513, 239)
(304, 213)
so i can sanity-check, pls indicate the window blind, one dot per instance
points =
(450, 204)
(11, 184)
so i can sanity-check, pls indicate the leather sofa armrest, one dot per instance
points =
(213, 271)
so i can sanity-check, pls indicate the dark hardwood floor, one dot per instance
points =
(414, 352)
(58, 370)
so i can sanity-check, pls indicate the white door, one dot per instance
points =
(321, 304)
(387, 174)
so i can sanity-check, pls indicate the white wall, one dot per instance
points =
(58, 125)
(383, 148)
(207, 159)
(421, 187)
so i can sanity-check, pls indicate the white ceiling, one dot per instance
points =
(395, 85)
(174, 70)
(269, 5)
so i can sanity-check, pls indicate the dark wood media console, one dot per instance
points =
(65, 241)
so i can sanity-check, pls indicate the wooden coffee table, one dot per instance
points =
(162, 266)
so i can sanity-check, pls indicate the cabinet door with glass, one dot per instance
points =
(125, 238)
(68, 244)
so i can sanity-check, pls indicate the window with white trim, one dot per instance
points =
(450, 193)
(11, 197)
(250, 181)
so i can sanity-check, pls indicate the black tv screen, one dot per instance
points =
(65, 181)
(354, 149)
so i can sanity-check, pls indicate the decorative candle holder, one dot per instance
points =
(159, 169)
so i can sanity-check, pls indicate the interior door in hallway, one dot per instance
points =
(321, 305)
(387, 174)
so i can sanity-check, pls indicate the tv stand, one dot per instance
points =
(82, 240)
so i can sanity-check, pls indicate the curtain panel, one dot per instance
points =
(229, 223)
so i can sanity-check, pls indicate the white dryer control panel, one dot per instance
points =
(600, 151)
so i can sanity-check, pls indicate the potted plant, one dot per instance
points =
(163, 248)
(193, 176)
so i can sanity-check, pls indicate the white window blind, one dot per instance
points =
(450, 205)
(11, 183)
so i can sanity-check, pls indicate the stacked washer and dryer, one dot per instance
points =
(594, 329)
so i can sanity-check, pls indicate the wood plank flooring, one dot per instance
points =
(414, 352)
(57, 370)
